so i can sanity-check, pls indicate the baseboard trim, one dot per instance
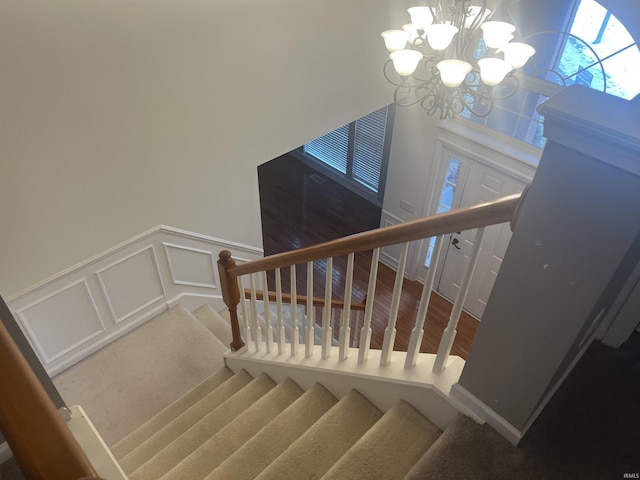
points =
(104, 297)
(483, 411)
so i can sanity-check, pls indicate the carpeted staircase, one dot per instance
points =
(233, 426)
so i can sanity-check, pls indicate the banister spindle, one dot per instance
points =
(230, 296)
(345, 328)
(418, 330)
(365, 334)
(245, 324)
(327, 331)
(449, 334)
(268, 335)
(390, 331)
(254, 320)
(281, 332)
(309, 339)
(295, 339)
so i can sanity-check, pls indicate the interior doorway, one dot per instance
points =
(468, 181)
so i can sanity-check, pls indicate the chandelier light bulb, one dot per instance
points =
(395, 39)
(439, 35)
(453, 72)
(450, 77)
(517, 54)
(493, 70)
(473, 14)
(497, 34)
(405, 62)
(421, 17)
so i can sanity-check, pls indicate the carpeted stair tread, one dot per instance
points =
(188, 442)
(326, 440)
(183, 422)
(216, 324)
(266, 445)
(230, 438)
(389, 449)
(467, 449)
(157, 422)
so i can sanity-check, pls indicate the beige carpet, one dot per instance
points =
(124, 384)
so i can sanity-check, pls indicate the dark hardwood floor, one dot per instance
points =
(299, 210)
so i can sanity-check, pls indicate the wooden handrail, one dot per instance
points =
(302, 300)
(38, 436)
(476, 216)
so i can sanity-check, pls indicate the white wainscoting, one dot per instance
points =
(76, 312)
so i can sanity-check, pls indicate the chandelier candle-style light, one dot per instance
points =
(449, 58)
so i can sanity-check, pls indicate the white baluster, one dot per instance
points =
(267, 313)
(255, 321)
(295, 339)
(365, 334)
(309, 338)
(246, 323)
(418, 330)
(281, 332)
(327, 331)
(390, 331)
(449, 334)
(345, 328)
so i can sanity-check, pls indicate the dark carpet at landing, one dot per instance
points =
(589, 430)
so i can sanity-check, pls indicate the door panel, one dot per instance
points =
(483, 184)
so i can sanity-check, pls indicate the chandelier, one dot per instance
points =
(447, 58)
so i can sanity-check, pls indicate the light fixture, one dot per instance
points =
(448, 58)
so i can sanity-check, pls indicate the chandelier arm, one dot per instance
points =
(399, 101)
(512, 89)
(395, 83)
(430, 66)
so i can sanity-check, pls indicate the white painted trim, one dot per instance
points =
(105, 290)
(479, 409)
(481, 145)
(5, 452)
(93, 445)
(166, 291)
(127, 243)
(101, 342)
(167, 246)
(383, 386)
(212, 240)
(32, 335)
(82, 265)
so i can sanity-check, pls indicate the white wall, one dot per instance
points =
(119, 115)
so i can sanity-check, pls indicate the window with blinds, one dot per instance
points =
(359, 150)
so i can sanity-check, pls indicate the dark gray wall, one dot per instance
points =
(579, 221)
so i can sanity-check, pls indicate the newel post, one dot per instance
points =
(230, 296)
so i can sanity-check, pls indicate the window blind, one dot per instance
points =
(332, 148)
(368, 148)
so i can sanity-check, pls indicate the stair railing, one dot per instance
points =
(474, 217)
(38, 436)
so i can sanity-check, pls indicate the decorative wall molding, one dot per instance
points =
(70, 309)
(71, 315)
(141, 269)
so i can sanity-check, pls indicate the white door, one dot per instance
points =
(480, 183)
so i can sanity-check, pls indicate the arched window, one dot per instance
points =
(576, 42)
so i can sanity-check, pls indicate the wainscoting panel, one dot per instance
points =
(62, 321)
(191, 266)
(76, 312)
(132, 284)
